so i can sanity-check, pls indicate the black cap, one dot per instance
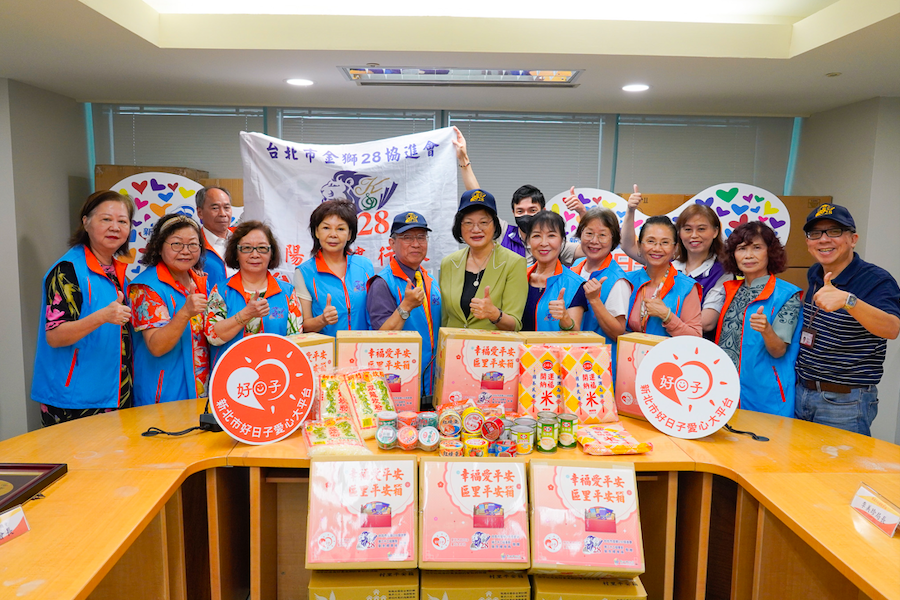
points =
(408, 220)
(836, 213)
(478, 198)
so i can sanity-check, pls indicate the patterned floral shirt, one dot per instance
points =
(783, 324)
(149, 311)
(217, 310)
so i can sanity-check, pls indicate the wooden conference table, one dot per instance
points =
(201, 516)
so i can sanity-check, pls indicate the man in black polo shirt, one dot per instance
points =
(850, 311)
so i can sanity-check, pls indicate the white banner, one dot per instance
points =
(285, 181)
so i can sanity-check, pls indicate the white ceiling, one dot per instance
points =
(766, 63)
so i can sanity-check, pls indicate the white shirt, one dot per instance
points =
(619, 296)
(715, 298)
(219, 244)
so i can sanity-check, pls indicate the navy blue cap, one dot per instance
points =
(478, 198)
(836, 213)
(408, 220)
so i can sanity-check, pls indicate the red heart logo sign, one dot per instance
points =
(665, 376)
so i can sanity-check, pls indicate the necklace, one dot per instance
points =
(481, 268)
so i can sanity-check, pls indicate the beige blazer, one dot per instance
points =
(504, 274)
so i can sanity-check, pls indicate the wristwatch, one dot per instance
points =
(404, 314)
(851, 301)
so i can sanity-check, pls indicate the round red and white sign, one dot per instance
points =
(687, 387)
(262, 389)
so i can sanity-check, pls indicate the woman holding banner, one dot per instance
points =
(556, 300)
(253, 300)
(331, 285)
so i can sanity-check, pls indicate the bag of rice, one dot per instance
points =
(587, 384)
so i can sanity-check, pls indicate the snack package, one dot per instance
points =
(333, 437)
(362, 513)
(585, 519)
(539, 379)
(367, 393)
(609, 439)
(587, 384)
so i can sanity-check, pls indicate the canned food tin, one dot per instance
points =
(508, 424)
(546, 414)
(386, 435)
(408, 437)
(547, 435)
(465, 435)
(491, 428)
(502, 448)
(472, 419)
(452, 448)
(408, 418)
(450, 423)
(568, 427)
(427, 419)
(526, 422)
(476, 447)
(429, 439)
(524, 438)
(387, 417)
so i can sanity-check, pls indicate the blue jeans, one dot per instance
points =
(853, 411)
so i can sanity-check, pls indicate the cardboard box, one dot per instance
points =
(466, 585)
(106, 176)
(587, 386)
(563, 338)
(362, 513)
(235, 187)
(364, 585)
(550, 587)
(477, 364)
(631, 351)
(397, 353)
(474, 514)
(658, 204)
(799, 207)
(319, 351)
(585, 518)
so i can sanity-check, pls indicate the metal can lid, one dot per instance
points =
(386, 434)
(429, 436)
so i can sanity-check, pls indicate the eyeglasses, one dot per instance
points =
(600, 237)
(409, 239)
(179, 246)
(250, 249)
(832, 232)
(481, 225)
(664, 244)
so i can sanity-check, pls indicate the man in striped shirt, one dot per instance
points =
(850, 311)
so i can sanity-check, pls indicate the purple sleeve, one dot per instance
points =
(380, 303)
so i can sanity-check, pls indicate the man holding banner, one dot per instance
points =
(403, 295)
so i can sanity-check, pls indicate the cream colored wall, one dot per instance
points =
(48, 167)
(853, 154)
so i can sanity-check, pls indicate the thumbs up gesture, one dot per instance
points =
(413, 296)
(592, 288)
(829, 298)
(483, 308)
(558, 307)
(758, 320)
(194, 305)
(116, 312)
(574, 203)
(330, 313)
(256, 307)
(634, 199)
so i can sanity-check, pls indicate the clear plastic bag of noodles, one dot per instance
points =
(331, 403)
(334, 437)
(609, 439)
(367, 393)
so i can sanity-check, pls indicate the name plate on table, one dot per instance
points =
(13, 524)
(882, 513)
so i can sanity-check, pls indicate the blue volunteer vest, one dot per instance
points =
(348, 296)
(85, 374)
(168, 377)
(418, 317)
(613, 273)
(674, 291)
(767, 383)
(235, 298)
(563, 277)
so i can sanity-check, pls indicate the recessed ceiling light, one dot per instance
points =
(636, 87)
(303, 82)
